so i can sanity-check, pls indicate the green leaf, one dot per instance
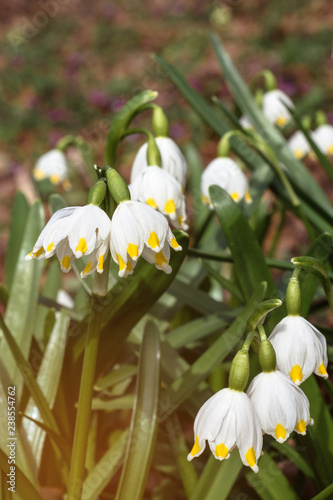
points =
(115, 376)
(225, 283)
(218, 478)
(122, 121)
(121, 403)
(16, 231)
(326, 493)
(22, 484)
(22, 304)
(197, 299)
(143, 428)
(270, 483)
(293, 455)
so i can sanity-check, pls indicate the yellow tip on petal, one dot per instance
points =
(204, 198)
(82, 246)
(298, 153)
(66, 185)
(38, 174)
(221, 450)
(330, 150)
(100, 263)
(170, 207)
(87, 269)
(196, 448)
(66, 262)
(160, 259)
(250, 457)
(153, 240)
(296, 374)
(235, 196)
(120, 262)
(247, 197)
(151, 202)
(55, 179)
(49, 247)
(281, 121)
(132, 250)
(174, 243)
(39, 252)
(129, 266)
(301, 427)
(322, 370)
(280, 432)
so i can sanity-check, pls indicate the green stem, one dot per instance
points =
(77, 470)
(153, 153)
(262, 333)
(248, 341)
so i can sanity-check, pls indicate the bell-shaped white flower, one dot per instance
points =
(323, 137)
(72, 232)
(281, 406)
(228, 420)
(172, 160)
(273, 107)
(52, 165)
(245, 122)
(161, 191)
(137, 229)
(299, 145)
(225, 173)
(300, 349)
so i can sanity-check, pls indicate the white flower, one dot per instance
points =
(172, 160)
(299, 145)
(138, 229)
(300, 349)
(281, 405)
(161, 191)
(323, 137)
(245, 122)
(52, 165)
(228, 419)
(275, 110)
(225, 173)
(72, 232)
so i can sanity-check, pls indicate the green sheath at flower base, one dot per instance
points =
(267, 358)
(293, 295)
(117, 186)
(97, 193)
(160, 122)
(239, 371)
(223, 147)
(153, 153)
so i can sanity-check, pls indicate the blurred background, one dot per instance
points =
(66, 66)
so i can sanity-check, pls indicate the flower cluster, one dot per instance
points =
(53, 166)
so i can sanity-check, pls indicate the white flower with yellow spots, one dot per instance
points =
(225, 173)
(273, 107)
(52, 165)
(282, 407)
(323, 137)
(138, 230)
(299, 145)
(73, 232)
(228, 420)
(161, 191)
(172, 160)
(300, 349)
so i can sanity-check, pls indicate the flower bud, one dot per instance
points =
(267, 358)
(117, 186)
(97, 193)
(239, 371)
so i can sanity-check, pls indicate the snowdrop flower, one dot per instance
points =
(225, 173)
(275, 110)
(161, 191)
(245, 122)
(52, 165)
(72, 232)
(323, 137)
(281, 405)
(300, 349)
(137, 229)
(299, 145)
(228, 419)
(172, 158)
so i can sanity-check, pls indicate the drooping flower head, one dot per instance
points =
(323, 137)
(52, 165)
(161, 191)
(274, 107)
(73, 232)
(299, 145)
(300, 349)
(225, 173)
(172, 158)
(228, 420)
(139, 230)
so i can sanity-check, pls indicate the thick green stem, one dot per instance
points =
(77, 470)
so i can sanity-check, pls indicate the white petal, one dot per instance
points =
(274, 109)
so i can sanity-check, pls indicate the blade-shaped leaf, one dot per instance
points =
(22, 485)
